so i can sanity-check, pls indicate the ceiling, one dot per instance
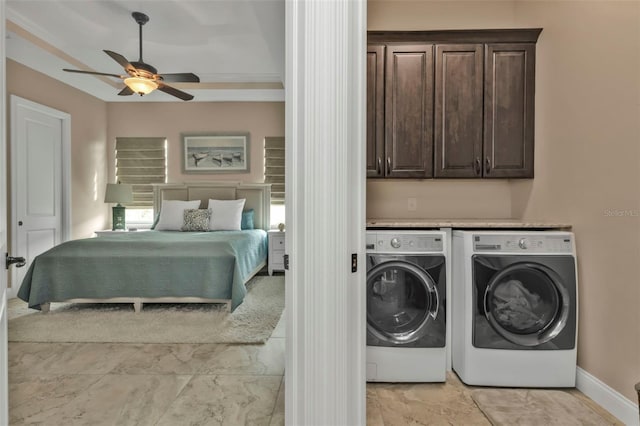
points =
(236, 47)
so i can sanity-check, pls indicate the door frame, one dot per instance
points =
(65, 232)
(4, 365)
(325, 116)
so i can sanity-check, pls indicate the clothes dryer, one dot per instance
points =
(406, 306)
(514, 308)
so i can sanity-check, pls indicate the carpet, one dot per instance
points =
(524, 407)
(252, 322)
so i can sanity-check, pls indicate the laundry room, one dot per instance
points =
(580, 175)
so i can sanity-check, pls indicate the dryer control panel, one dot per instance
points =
(525, 243)
(404, 243)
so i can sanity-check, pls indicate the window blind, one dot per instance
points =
(141, 162)
(274, 167)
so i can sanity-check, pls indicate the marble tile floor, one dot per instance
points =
(198, 384)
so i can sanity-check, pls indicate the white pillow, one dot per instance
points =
(172, 214)
(226, 215)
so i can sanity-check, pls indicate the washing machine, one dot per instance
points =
(406, 306)
(514, 308)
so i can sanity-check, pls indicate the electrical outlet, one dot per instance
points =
(412, 204)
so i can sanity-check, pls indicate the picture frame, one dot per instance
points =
(220, 152)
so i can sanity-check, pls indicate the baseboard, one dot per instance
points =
(12, 292)
(610, 399)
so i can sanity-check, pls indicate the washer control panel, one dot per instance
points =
(523, 243)
(402, 243)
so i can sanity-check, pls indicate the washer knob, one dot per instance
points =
(523, 243)
(395, 243)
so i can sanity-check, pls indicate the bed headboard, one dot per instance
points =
(258, 196)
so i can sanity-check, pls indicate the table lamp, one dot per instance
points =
(118, 193)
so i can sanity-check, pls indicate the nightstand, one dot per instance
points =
(276, 251)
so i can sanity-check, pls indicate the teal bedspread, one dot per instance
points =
(212, 265)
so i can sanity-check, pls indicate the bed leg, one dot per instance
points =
(137, 306)
(228, 306)
(44, 307)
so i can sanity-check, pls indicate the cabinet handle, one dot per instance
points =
(488, 165)
(379, 168)
(477, 166)
(388, 164)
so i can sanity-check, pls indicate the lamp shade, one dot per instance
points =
(118, 193)
(141, 86)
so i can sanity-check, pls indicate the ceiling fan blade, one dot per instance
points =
(93, 73)
(175, 92)
(184, 77)
(121, 60)
(126, 91)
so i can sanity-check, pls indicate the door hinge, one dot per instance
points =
(286, 262)
(354, 262)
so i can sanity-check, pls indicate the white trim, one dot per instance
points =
(325, 210)
(448, 271)
(607, 397)
(4, 360)
(65, 118)
(4, 365)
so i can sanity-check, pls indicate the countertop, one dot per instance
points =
(465, 223)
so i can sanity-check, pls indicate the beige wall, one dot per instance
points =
(454, 199)
(450, 199)
(169, 120)
(588, 168)
(587, 157)
(88, 142)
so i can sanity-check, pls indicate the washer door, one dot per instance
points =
(401, 301)
(526, 303)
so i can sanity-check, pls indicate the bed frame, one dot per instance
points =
(258, 198)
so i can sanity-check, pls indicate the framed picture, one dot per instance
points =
(215, 153)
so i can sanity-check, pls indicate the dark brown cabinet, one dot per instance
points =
(458, 110)
(455, 104)
(509, 79)
(409, 111)
(400, 111)
(375, 110)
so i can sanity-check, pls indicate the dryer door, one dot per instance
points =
(526, 303)
(402, 299)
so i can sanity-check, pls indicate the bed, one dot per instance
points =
(158, 266)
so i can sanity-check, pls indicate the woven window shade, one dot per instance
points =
(141, 162)
(274, 167)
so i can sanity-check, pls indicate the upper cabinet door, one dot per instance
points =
(509, 110)
(458, 111)
(409, 111)
(375, 111)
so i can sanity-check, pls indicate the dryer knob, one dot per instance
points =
(395, 243)
(523, 243)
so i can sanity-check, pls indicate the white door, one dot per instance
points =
(4, 387)
(37, 140)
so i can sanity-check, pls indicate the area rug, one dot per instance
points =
(524, 407)
(252, 322)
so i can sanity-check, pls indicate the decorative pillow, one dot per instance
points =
(196, 220)
(172, 214)
(247, 219)
(226, 215)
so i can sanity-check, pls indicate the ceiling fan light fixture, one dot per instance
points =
(141, 86)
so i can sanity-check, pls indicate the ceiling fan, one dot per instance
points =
(142, 78)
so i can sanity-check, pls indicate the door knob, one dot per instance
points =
(19, 223)
(18, 261)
